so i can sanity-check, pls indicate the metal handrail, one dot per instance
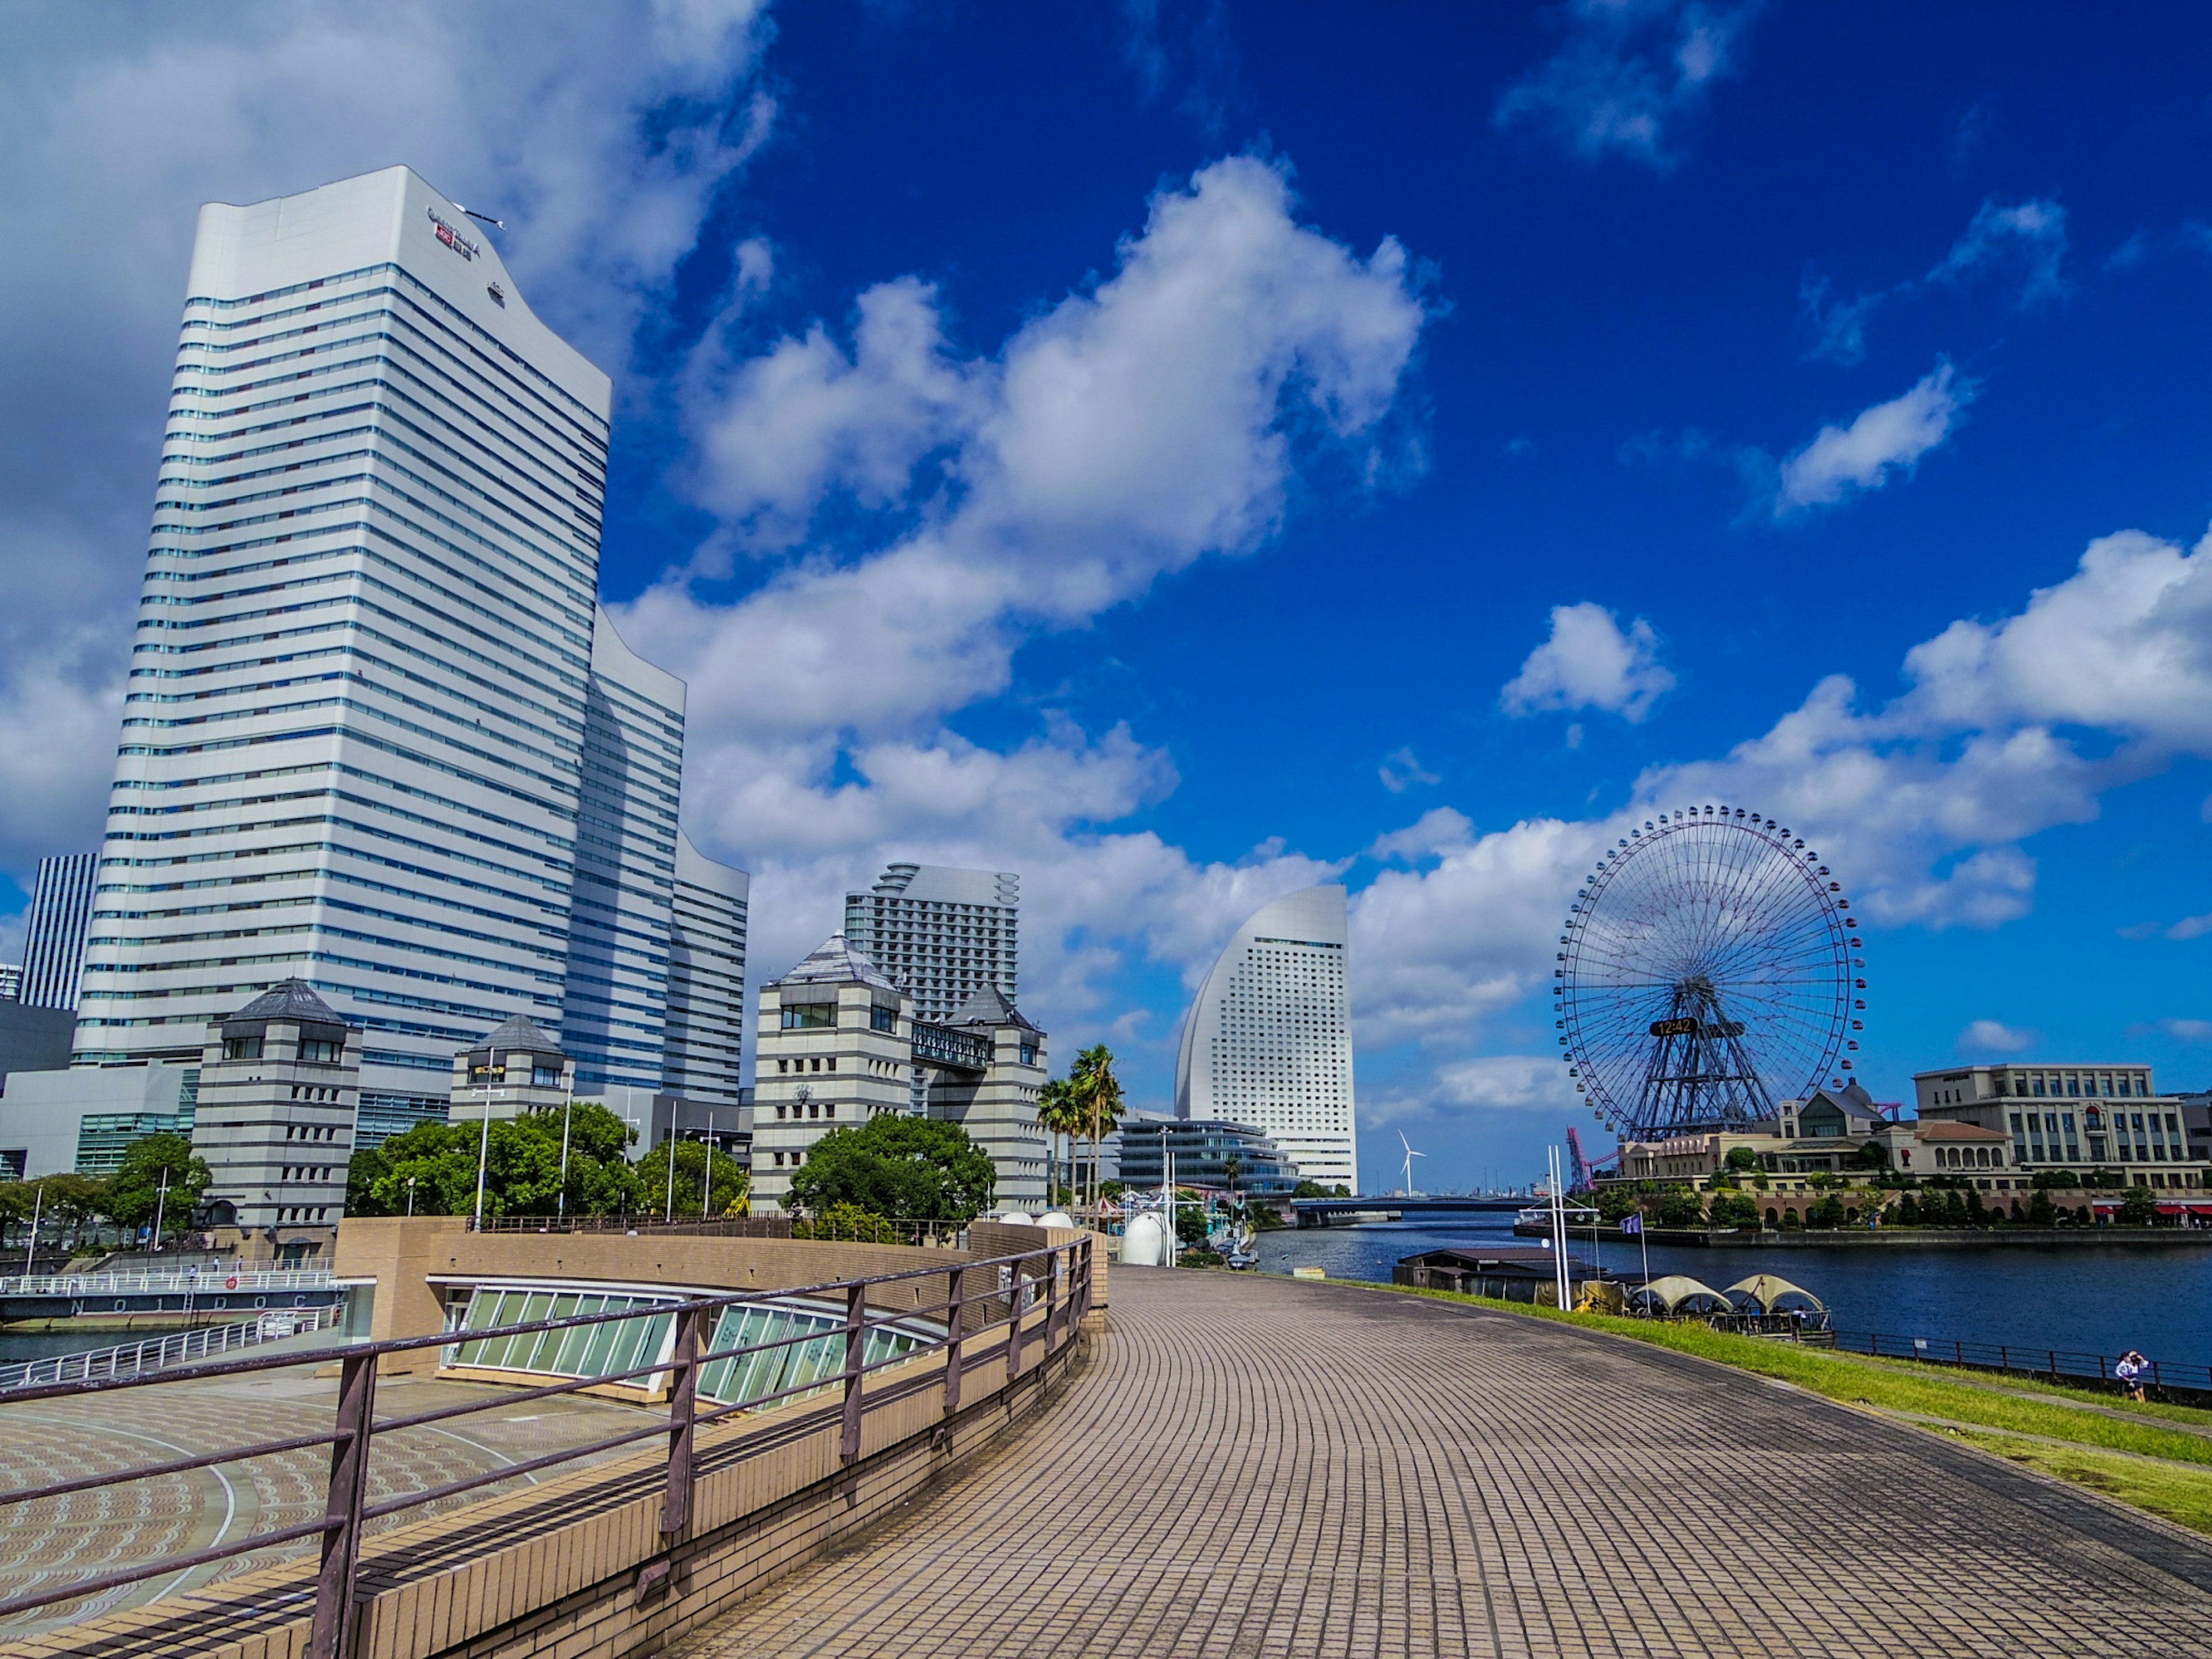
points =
(2054, 1362)
(1057, 1278)
(122, 1359)
(216, 1280)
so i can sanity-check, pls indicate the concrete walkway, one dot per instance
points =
(1253, 1467)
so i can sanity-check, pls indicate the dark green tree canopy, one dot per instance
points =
(134, 1191)
(726, 1187)
(910, 1169)
(522, 1172)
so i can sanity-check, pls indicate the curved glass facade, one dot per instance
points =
(621, 1345)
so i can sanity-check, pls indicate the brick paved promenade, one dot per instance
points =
(1252, 1466)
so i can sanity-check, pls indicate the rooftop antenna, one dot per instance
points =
(1410, 1156)
(485, 218)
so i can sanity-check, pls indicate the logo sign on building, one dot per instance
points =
(452, 237)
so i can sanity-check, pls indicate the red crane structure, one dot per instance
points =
(1584, 1174)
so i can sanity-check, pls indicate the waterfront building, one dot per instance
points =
(995, 1102)
(53, 944)
(357, 695)
(275, 1119)
(53, 1117)
(1202, 1149)
(33, 1039)
(942, 934)
(1267, 1041)
(517, 1070)
(835, 1047)
(379, 734)
(2074, 1116)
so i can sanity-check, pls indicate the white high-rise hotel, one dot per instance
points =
(1268, 1038)
(379, 734)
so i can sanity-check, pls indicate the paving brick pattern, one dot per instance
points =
(1259, 1469)
(67, 1539)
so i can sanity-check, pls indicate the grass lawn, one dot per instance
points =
(2143, 1455)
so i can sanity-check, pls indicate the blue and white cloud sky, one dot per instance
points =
(1185, 451)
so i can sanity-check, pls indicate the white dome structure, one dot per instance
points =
(1057, 1218)
(1016, 1218)
(1145, 1241)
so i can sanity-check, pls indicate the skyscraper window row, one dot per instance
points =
(356, 706)
(529, 394)
(525, 471)
(565, 732)
(556, 879)
(546, 690)
(561, 743)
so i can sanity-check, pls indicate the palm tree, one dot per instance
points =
(1099, 1102)
(1059, 1112)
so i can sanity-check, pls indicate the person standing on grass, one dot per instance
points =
(2128, 1368)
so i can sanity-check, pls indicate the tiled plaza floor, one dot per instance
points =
(69, 1540)
(1252, 1466)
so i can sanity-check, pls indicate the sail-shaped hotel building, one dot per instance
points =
(1267, 1041)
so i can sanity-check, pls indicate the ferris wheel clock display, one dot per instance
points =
(1707, 970)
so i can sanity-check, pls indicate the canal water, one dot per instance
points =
(2089, 1298)
(17, 1345)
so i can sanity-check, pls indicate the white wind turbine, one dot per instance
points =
(1410, 1156)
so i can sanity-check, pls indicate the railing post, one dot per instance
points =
(332, 1634)
(953, 1312)
(1014, 1324)
(856, 1313)
(1051, 1300)
(683, 1410)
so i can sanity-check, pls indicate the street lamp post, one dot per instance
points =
(560, 1200)
(707, 1177)
(484, 1138)
(160, 1208)
(410, 1194)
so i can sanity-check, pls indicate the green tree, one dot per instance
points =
(1613, 1202)
(1742, 1157)
(1872, 1156)
(1828, 1212)
(721, 1193)
(1061, 1113)
(135, 1198)
(522, 1173)
(2138, 1208)
(1734, 1210)
(911, 1168)
(1098, 1099)
(65, 1205)
(1679, 1206)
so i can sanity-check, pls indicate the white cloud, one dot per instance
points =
(1629, 74)
(1990, 1036)
(1440, 829)
(600, 134)
(1839, 327)
(2030, 235)
(2006, 728)
(1401, 769)
(1155, 418)
(1887, 439)
(2187, 1030)
(2191, 927)
(1590, 662)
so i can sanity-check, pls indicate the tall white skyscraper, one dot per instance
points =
(706, 981)
(940, 933)
(53, 946)
(379, 734)
(614, 1016)
(1269, 1039)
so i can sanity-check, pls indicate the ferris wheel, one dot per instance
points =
(1706, 970)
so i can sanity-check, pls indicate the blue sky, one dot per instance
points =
(1184, 452)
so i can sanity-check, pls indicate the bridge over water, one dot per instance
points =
(1256, 1467)
(1340, 1211)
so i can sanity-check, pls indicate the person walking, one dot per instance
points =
(2128, 1368)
